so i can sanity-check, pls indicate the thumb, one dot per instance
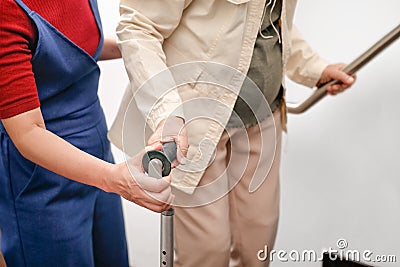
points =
(167, 179)
(343, 77)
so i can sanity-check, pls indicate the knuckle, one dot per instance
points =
(161, 186)
(153, 209)
(159, 209)
(161, 199)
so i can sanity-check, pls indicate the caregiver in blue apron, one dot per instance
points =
(45, 218)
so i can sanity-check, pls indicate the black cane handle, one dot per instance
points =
(166, 156)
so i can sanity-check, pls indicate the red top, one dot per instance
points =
(18, 36)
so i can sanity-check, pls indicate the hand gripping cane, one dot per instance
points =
(158, 164)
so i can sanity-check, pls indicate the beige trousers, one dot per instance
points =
(231, 230)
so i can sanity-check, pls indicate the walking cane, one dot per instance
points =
(350, 69)
(157, 164)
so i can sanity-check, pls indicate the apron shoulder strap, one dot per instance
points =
(25, 7)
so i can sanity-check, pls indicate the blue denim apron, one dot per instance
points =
(46, 219)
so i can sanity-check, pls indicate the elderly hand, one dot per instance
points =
(335, 72)
(168, 130)
(131, 182)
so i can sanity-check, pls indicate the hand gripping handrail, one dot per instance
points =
(350, 69)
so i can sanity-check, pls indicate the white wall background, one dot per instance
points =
(340, 171)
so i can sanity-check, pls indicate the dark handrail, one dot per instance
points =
(350, 69)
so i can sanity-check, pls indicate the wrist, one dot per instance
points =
(108, 177)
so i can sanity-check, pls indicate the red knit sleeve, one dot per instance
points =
(18, 91)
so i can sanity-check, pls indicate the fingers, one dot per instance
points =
(159, 202)
(343, 77)
(336, 89)
(134, 185)
(154, 146)
(155, 200)
(341, 87)
(183, 148)
(154, 142)
(151, 184)
(160, 198)
(168, 179)
(335, 72)
(156, 206)
(172, 129)
(137, 177)
(165, 199)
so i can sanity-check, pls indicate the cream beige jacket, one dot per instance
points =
(154, 35)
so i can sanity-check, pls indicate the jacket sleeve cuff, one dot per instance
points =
(163, 110)
(304, 66)
(314, 72)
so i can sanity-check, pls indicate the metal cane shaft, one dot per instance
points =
(167, 222)
(158, 164)
(167, 238)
